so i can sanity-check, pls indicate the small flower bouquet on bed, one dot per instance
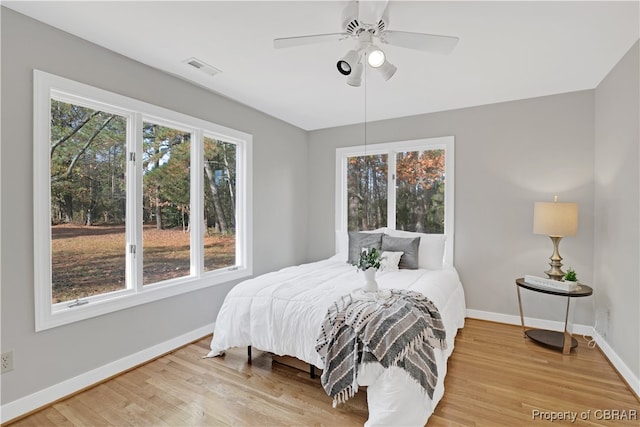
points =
(369, 263)
(369, 258)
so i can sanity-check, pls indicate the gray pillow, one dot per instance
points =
(357, 241)
(409, 245)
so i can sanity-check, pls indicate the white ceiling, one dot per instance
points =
(507, 51)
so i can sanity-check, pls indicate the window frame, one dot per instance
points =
(391, 149)
(48, 315)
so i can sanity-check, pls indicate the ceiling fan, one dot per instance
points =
(366, 22)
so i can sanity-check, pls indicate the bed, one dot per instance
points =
(281, 312)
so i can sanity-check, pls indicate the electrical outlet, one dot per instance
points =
(6, 362)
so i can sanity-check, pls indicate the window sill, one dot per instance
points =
(61, 314)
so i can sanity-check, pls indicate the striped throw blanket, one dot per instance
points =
(399, 330)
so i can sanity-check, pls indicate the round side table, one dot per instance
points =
(555, 339)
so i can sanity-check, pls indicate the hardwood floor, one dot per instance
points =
(495, 378)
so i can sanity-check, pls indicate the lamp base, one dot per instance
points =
(555, 272)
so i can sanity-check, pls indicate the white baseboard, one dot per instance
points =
(621, 367)
(529, 321)
(616, 361)
(41, 398)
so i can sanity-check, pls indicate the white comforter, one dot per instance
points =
(281, 312)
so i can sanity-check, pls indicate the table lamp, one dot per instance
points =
(556, 220)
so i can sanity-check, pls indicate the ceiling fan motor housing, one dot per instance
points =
(352, 25)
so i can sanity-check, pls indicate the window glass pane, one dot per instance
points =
(367, 192)
(88, 201)
(166, 203)
(219, 204)
(420, 185)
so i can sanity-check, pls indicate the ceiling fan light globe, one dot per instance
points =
(376, 58)
(387, 70)
(355, 79)
(348, 62)
(344, 68)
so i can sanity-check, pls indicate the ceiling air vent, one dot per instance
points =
(205, 68)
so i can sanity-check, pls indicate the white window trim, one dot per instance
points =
(48, 315)
(391, 148)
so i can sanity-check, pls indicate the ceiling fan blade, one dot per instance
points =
(370, 11)
(305, 40)
(431, 43)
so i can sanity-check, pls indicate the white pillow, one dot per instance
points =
(431, 249)
(390, 261)
(433, 245)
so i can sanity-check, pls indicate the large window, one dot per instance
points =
(403, 185)
(132, 202)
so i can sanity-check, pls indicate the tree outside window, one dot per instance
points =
(132, 202)
(403, 189)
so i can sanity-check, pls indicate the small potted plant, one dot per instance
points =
(369, 263)
(570, 276)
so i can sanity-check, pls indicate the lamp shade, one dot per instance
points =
(555, 219)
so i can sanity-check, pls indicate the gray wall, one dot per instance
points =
(279, 220)
(507, 156)
(617, 209)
